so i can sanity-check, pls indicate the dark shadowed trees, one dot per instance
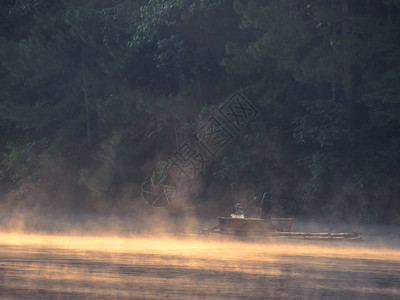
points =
(112, 87)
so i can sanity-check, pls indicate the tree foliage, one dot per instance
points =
(114, 86)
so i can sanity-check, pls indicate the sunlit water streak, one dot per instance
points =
(82, 267)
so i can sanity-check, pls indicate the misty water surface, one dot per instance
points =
(72, 267)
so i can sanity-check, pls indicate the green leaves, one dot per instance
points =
(21, 161)
(324, 124)
(23, 7)
(113, 85)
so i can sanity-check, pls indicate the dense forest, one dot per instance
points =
(94, 94)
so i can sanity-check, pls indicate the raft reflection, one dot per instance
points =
(68, 267)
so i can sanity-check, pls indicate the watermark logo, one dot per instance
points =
(204, 145)
(158, 189)
(238, 111)
(213, 136)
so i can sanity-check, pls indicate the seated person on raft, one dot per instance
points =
(238, 211)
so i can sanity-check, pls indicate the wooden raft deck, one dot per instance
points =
(278, 227)
(253, 226)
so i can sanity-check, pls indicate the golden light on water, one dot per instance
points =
(191, 267)
(195, 247)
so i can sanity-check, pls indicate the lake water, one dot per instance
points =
(171, 267)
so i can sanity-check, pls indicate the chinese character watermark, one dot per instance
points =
(205, 144)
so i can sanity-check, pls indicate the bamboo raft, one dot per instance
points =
(276, 228)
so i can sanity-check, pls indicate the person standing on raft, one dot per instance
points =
(266, 207)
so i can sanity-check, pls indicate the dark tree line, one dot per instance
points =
(104, 89)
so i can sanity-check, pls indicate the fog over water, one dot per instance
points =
(40, 266)
(128, 127)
